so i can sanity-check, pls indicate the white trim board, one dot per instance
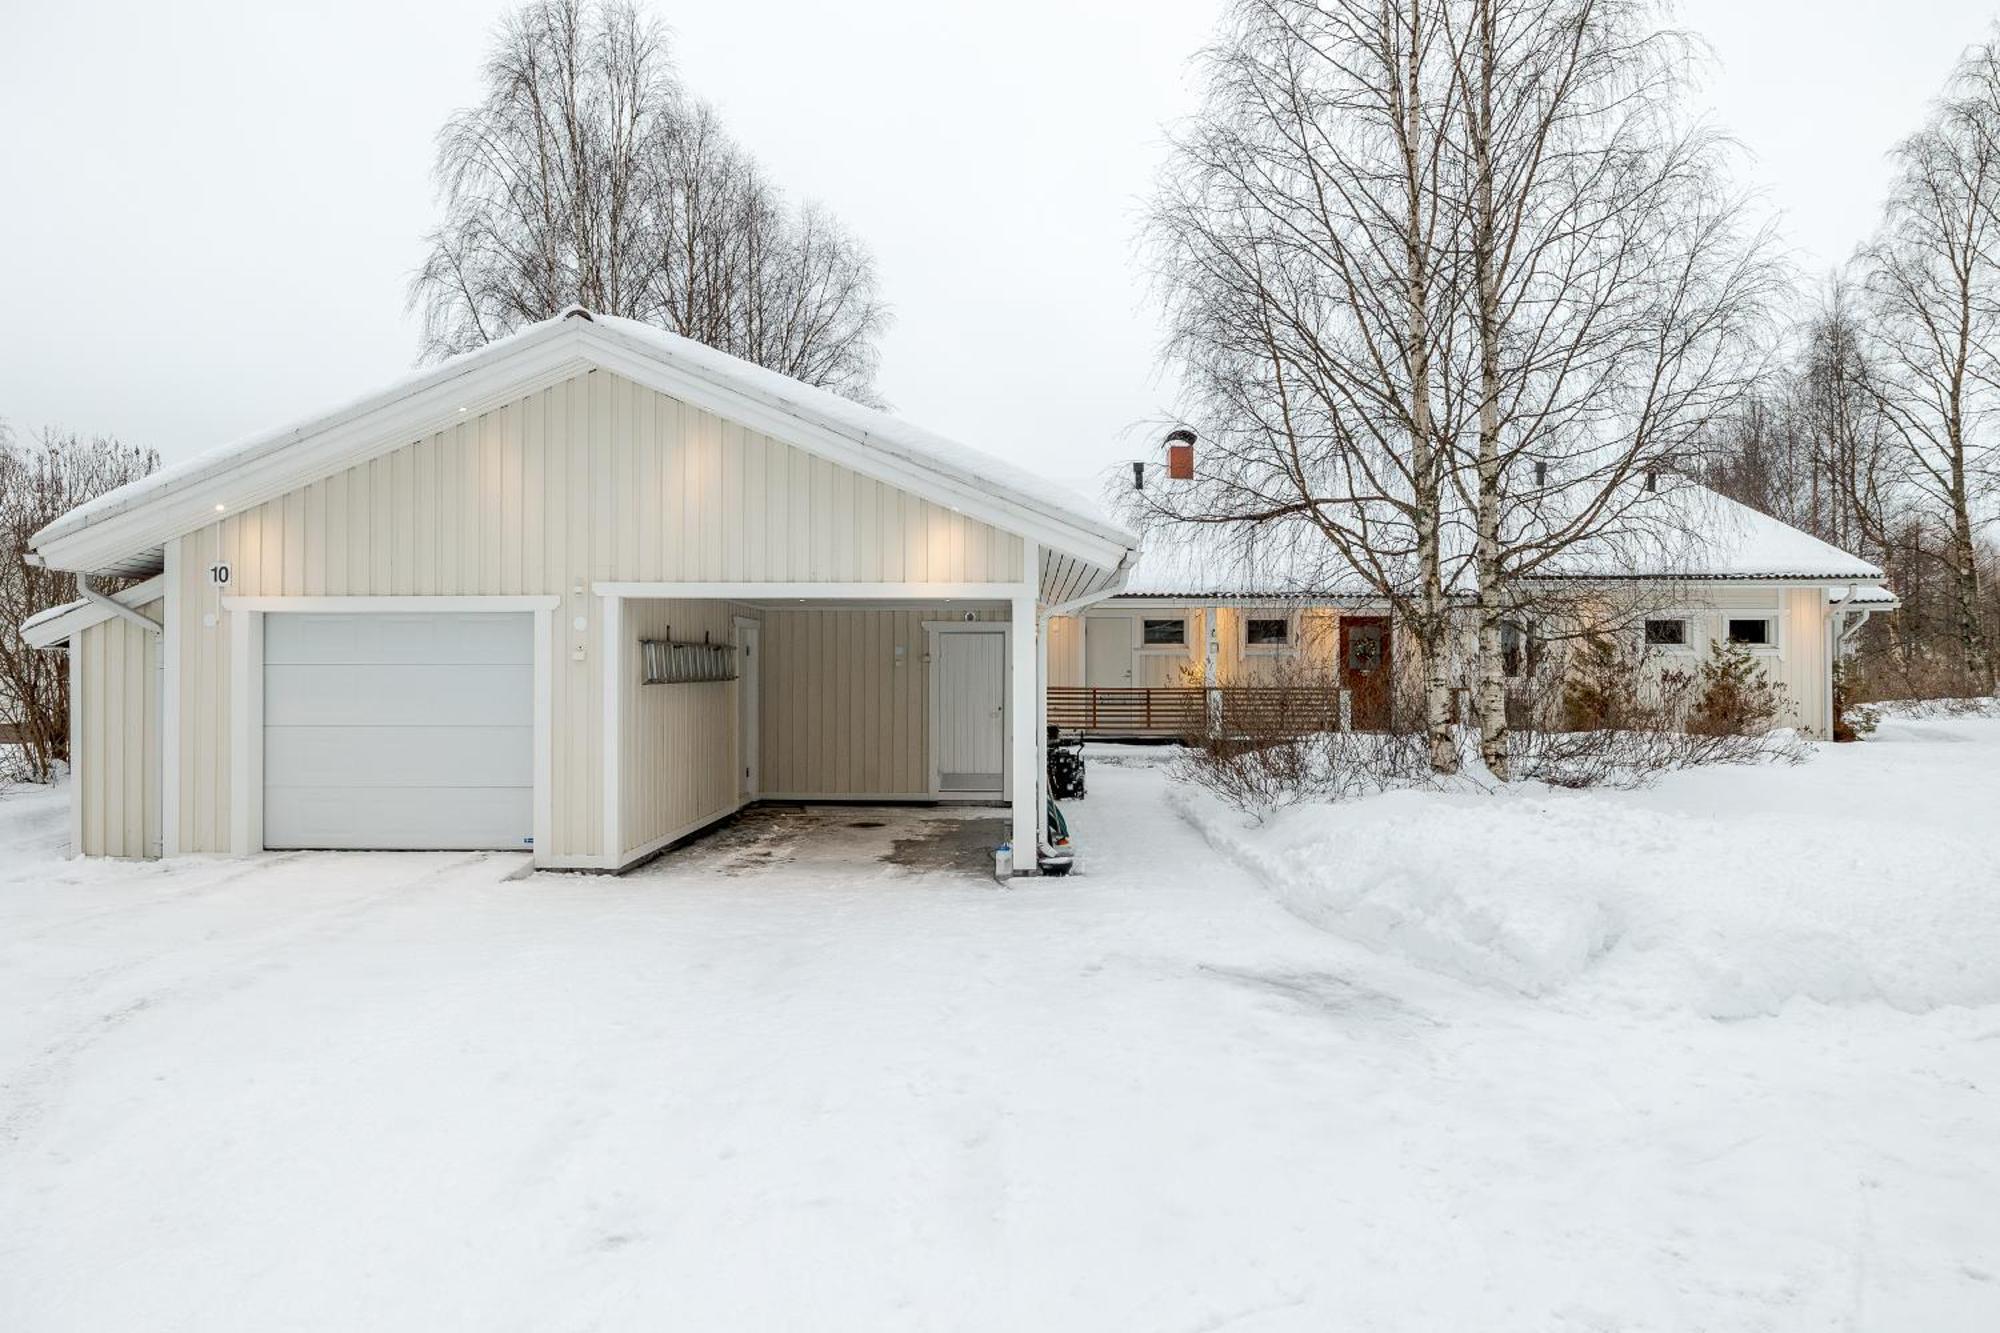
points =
(390, 605)
(767, 594)
(77, 768)
(613, 710)
(170, 707)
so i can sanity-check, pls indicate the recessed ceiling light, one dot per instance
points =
(220, 508)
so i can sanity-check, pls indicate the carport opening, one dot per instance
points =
(727, 707)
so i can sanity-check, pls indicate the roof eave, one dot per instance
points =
(106, 537)
(55, 626)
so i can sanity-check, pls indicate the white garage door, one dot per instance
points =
(399, 731)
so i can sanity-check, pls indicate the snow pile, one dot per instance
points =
(1727, 891)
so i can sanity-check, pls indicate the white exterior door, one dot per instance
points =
(399, 731)
(1107, 651)
(969, 742)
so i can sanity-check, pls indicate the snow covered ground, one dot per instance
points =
(1871, 873)
(1196, 1089)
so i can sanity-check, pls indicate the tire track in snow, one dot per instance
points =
(27, 1092)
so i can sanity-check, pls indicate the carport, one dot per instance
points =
(722, 697)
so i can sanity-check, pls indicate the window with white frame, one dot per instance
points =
(1267, 632)
(1668, 632)
(1754, 631)
(1164, 633)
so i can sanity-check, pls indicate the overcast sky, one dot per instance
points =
(209, 212)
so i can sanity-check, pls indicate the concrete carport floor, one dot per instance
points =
(832, 843)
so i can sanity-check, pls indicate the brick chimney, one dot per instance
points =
(1180, 454)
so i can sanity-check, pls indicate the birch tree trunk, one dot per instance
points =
(1487, 568)
(1431, 627)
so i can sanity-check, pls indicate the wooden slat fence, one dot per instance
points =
(1183, 710)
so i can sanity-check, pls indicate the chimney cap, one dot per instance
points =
(1180, 435)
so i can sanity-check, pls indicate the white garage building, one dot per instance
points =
(586, 591)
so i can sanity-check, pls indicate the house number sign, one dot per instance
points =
(218, 574)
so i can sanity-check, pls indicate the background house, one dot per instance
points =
(1226, 610)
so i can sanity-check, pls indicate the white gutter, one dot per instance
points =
(1111, 589)
(115, 606)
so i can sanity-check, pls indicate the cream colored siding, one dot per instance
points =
(1065, 650)
(1805, 657)
(1798, 663)
(593, 478)
(117, 760)
(677, 754)
(1315, 640)
(840, 712)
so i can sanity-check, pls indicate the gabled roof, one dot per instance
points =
(1687, 533)
(125, 530)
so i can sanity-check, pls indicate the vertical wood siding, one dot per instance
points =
(678, 755)
(1315, 640)
(840, 714)
(593, 478)
(117, 771)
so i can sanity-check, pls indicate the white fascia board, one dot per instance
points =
(1000, 508)
(48, 631)
(274, 465)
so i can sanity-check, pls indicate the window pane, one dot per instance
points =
(1752, 632)
(1667, 632)
(1268, 631)
(1166, 631)
(1513, 648)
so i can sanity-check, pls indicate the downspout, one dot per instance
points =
(115, 606)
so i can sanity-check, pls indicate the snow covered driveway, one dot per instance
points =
(407, 1092)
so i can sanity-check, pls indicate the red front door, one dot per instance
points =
(1364, 669)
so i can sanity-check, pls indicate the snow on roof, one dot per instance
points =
(212, 462)
(901, 446)
(1218, 560)
(48, 615)
(1713, 536)
(1687, 532)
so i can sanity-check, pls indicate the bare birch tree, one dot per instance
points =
(1614, 292)
(1300, 253)
(588, 175)
(39, 482)
(1933, 280)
